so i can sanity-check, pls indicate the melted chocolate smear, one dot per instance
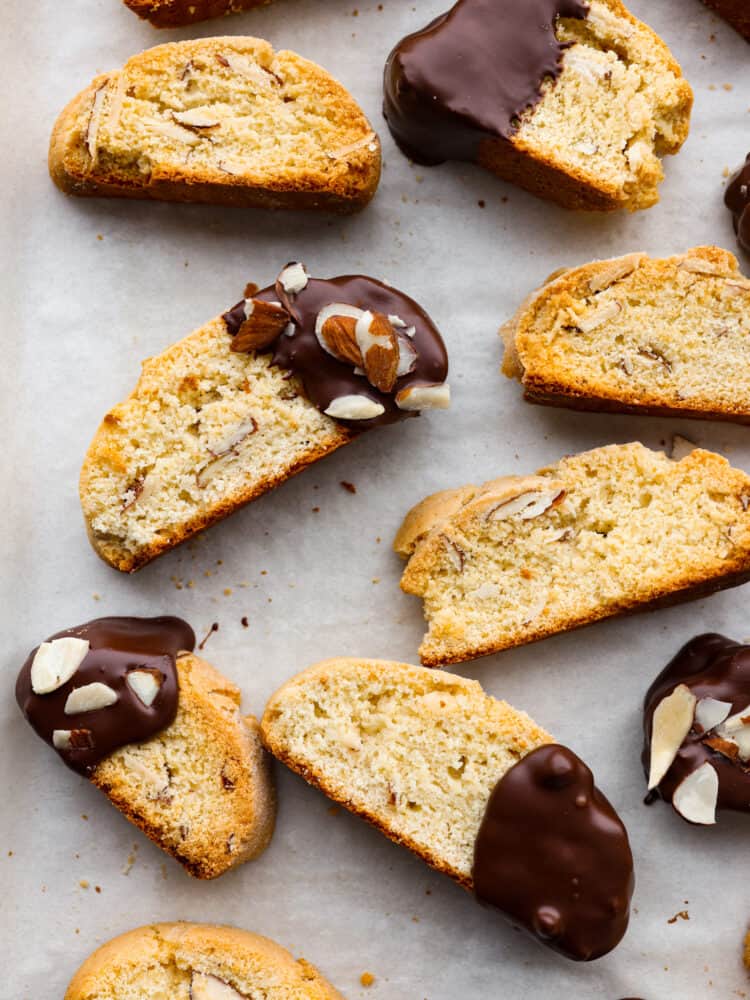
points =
(737, 200)
(554, 856)
(323, 377)
(117, 646)
(470, 75)
(712, 666)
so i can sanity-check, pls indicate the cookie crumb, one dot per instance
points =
(84, 883)
(245, 622)
(680, 915)
(350, 487)
(481, 203)
(227, 592)
(316, 510)
(84, 816)
(334, 810)
(367, 979)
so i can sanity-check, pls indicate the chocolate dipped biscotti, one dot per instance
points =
(175, 13)
(638, 335)
(285, 377)
(470, 785)
(127, 704)
(573, 101)
(737, 200)
(186, 961)
(736, 12)
(696, 722)
(609, 531)
(221, 120)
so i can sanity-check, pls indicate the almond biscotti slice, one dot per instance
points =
(174, 13)
(221, 120)
(157, 729)
(287, 376)
(575, 102)
(470, 785)
(186, 961)
(602, 533)
(638, 334)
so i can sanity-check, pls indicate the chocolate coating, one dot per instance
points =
(323, 376)
(737, 200)
(117, 646)
(554, 856)
(712, 666)
(470, 75)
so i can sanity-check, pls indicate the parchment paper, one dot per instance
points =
(92, 287)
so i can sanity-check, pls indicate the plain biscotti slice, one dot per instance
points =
(221, 120)
(201, 789)
(414, 752)
(638, 334)
(575, 102)
(174, 13)
(605, 532)
(186, 961)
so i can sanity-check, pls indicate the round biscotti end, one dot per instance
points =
(184, 961)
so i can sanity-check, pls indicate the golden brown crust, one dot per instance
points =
(349, 189)
(537, 359)
(252, 962)
(228, 817)
(176, 13)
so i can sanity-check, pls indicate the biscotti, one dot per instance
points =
(696, 726)
(174, 13)
(126, 703)
(736, 12)
(472, 786)
(609, 531)
(574, 102)
(638, 334)
(285, 377)
(221, 120)
(186, 961)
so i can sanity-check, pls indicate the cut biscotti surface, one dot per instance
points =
(601, 533)
(414, 752)
(285, 377)
(201, 789)
(185, 961)
(174, 13)
(574, 102)
(638, 334)
(224, 120)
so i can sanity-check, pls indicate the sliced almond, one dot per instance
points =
(696, 265)
(671, 723)
(72, 739)
(681, 448)
(264, 323)
(90, 698)
(616, 269)
(527, 505)
(695, 798)
(726, 747)
(736, 722)
(737, 728)
(335, 329)
(171, 130)
(234, 438)
(200, 118)
(407, 358)
(92, 129)
(354, 407)
(603, 313)
(205, 987)
(378, 345)
(424, 397)
(244, 66)
(145, 685)
(293, 278)
(55, 663)
(709, 713)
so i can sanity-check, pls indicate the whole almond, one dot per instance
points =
(264, 324)
(382, 357)
(338, 333)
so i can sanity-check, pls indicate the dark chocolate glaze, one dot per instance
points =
(554, 857)
(470, 74)
(323, 376)
(117, 645)
(737, 200)
(712, 666)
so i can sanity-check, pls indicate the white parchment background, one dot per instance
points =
(89, 288)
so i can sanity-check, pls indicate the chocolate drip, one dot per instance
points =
(117, 646)
(712, 666)
(737, 200)
(554, 857)
(470, 75)
(323, 376)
